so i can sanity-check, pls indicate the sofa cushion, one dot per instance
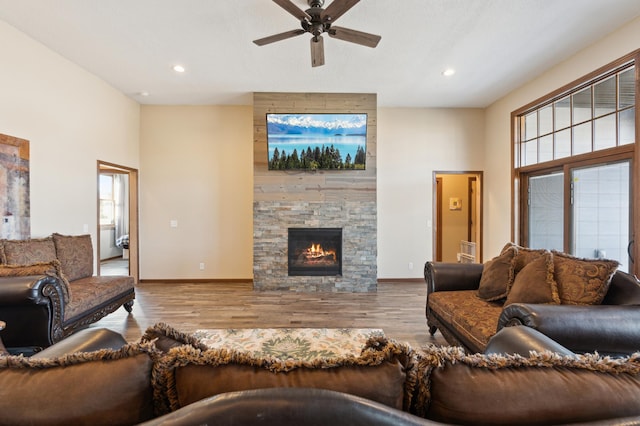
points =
(497, 276)
(545, 388)
(90, 293)
(186, 374)
(469, 316)
(45, 268)
(26, 252)
(75, 253)
(103, 387)
(535, 283)
(582, 281)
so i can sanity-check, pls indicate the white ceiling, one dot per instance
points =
(494, 45)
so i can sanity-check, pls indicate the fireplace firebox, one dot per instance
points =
(315, 251)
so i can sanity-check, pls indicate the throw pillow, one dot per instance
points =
(525, 255)
(164, 337)
(44, 268)
(535, 283)
(102, 387)
(582, 281)
(75, 253)
(27, 252)
(497, 276)
(383, 373)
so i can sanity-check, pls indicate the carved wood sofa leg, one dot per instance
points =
(129, 306)
(432, 330)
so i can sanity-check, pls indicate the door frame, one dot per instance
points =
(134, 256)
(437, 236)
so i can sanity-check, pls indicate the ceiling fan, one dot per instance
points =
(316, 21)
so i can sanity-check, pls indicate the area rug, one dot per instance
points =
(290, 343)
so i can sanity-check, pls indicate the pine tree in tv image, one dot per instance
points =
(317, 141)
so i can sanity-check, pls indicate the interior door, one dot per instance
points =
(127, 206)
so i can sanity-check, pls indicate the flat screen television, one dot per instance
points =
(317, 141)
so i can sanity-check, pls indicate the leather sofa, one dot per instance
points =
(48, 291)
(132, 383)
(464, 319)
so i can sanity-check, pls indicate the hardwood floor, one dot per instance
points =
(397, 308)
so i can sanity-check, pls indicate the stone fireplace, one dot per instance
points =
(335, 200)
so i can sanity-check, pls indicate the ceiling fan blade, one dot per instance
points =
(278, 37)
(353, 36)
(293, 9)
(337, 8)
(317, 51)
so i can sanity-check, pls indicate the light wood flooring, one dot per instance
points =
(397, 308)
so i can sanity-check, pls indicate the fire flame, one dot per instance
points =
(316, 251)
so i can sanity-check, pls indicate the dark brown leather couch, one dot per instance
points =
(611, 328)
(122, 385)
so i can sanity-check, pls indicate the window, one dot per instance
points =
(573, 166)
(107, 202)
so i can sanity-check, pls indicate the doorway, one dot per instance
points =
(457, 207)
(117, 239)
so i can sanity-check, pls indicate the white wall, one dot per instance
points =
(197, 169)
(497, 195)
(412, 144)
(72, 119)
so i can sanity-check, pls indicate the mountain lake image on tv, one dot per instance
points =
(317, 141)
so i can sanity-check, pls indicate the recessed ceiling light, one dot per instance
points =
(448, 72)
(143, 94)
(179, 68)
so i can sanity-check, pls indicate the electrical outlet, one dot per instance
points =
(173, 223)
(202, 266)
(411, 266)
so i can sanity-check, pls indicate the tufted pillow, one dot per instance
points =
(582, 281)
(535, 283)
(27, 252)
(75, 253)
(497, 276)
(44, 268)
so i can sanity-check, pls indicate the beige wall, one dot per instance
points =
(497, 195)
(412, 144)
(72, 119)
(196, 168)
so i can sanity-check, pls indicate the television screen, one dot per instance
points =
(317, 141)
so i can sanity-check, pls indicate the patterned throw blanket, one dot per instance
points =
(290, 343)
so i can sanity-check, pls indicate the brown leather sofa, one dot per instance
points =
(132, 384)
(48, 291)
(610, 328)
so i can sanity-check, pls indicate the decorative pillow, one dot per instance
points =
(165, 337)
(535, 283)
(384, 374)
(101, 387)
(45, 268)
(456, 388)
(525, 255)
(582, 281)
(75, 253)
(27, 252)
(497, 276)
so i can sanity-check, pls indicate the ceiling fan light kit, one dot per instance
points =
(317, 21)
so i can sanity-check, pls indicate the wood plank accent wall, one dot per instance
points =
(323, 198)
(321, 185)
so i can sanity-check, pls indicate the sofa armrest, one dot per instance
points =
(442, 276)
(522, 340)
(607, 329)
(30, 306)
(87, 340)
